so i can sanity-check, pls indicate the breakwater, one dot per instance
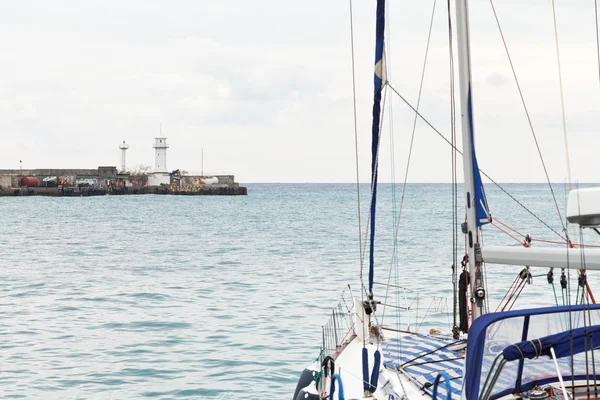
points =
(93, 191)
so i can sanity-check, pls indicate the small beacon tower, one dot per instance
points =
(160, 157)
(123, 146)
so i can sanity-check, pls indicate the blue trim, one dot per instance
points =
(441, 375)
(375, 372)
(378, 83)
(365, 368)
(476, 341)
(565, 344)
(522, 362)
(336, 377)
(482, 211)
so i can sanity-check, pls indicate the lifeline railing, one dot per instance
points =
(407, 310)
(339, 327)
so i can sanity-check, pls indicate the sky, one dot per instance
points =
(265, 87)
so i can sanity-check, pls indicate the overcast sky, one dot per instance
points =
(264, 87)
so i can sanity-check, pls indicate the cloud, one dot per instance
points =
(266, 88)
(496, 79)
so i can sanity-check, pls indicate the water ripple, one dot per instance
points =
(207, 298)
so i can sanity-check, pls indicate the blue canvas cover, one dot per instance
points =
(491, 333)
(564, 343)
(481, 206)
(379, 82)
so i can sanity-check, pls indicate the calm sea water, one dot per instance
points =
(214, 297)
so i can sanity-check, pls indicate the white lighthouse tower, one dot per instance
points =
(123, 146)
(160, 157)
(160, 175)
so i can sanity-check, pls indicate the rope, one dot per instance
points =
(518, 348)
(563, 290)
(555, 297)
(485, 276)
(397, 228)
(587, 298)
(454, 180)
(583, 279)
(562, 100)
(364, 289)
(597, 35)
(516, 297)
(512, 67)
(480, 170)
(507, 292)
(506, 226)
(388, 42)
(360, 247)
(508, 234)
(516, 288)
(571, 244)
(372, 189)
(430, 352)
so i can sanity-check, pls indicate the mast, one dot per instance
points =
(475, 203)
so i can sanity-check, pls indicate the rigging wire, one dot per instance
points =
(582, 278)
(364, 288)
(512, 67)
(485, 276)
(360, 247)
(496, 220)
(562, 100)
(570, 304)
(564, 123)
(388, 59)
(480, 170)
(454, 177)
(597, 35)
(394, 264)
(585, 300)
(364, 251)
(414, 127)
(355, 129)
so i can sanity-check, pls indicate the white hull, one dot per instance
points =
(392, 381)
(349, 367)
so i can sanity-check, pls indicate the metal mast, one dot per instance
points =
(477, 293)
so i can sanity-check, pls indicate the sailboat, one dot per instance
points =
(531, 353)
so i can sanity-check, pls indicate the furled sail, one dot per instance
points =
(481, 205)
(379, 81)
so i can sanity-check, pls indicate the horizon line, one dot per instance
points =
(418, 183)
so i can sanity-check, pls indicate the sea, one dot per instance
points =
(219, 297)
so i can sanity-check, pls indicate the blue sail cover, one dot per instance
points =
(481, 206)
(379, 81)
(524, 324)
(564, 343)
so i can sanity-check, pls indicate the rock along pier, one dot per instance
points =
(107, 181)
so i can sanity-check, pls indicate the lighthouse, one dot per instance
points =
(123, 146)
(160, 155)
(160, 175)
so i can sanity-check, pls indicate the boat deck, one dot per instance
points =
(423, 357)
